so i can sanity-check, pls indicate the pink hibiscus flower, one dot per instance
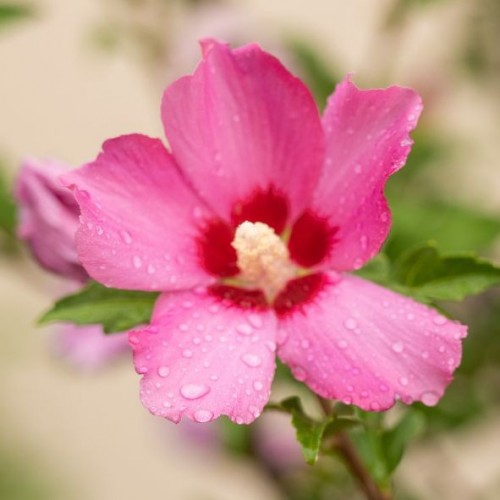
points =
(247, 225)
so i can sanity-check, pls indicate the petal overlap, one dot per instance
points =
(201, 357)
(242, 123)
(366, 345)
(139, 219)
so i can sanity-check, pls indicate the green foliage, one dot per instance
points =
(394, 441)
(454, 229)
(382, 449)
(7, 209)
(309, 431)
(429, 276)
(13, 12)
(320, 79)
(116, 310)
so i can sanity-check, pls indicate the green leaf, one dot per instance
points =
(454, 229)
(395, 440)
(429, 276)
(116, 310)
(12, 12)
(7, 209)
(309, 431)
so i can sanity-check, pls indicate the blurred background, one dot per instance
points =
(75, 73)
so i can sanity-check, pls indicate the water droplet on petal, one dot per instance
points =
(163, 371)
(439, 320)
(255, 320)
(202, 416)
(342, 344)
(305, 344)
(271, 345)
(398, 347)
(403, 381)
(425, 354)
(251, 360)
(137, 261)
(187, 353)
(299, 373)
(183, 327)
(125, 236)
(374, 406)
(350, 323)
(194, 391)
(258, 386)
(429, 398)
(244, 329)
(151, 269)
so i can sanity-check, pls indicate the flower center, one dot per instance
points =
(263, 258)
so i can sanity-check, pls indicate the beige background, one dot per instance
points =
(60, 97)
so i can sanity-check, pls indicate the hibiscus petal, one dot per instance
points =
(48, 218)
(242, 123)
(367, 140)
(363, 344)
(138, 218)
(203, 358)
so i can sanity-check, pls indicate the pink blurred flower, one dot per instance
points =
(248, 226)
(87, 347)
(48, 220)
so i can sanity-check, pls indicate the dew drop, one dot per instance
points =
(358, 168)
(137, 261)
(125, 236)
(305, 344)
(251, 360)
(442, 348)
(350, 323)
(342, 344)
(429, 398)
(347, 400)
(439, 320)
(99, 230)
(425, 354)
(350, 388)
(183, 327)
(202, 416)
(299, 373)
(194, 391)
(255, 320)
(403, 381)
(151, 269)
(244, 329)
(187, 353)
(398, 347)
(271, 345)
(258, 385)
(163, 371)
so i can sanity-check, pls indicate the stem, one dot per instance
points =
(344, 446)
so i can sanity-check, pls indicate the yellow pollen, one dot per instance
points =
(263, 258)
